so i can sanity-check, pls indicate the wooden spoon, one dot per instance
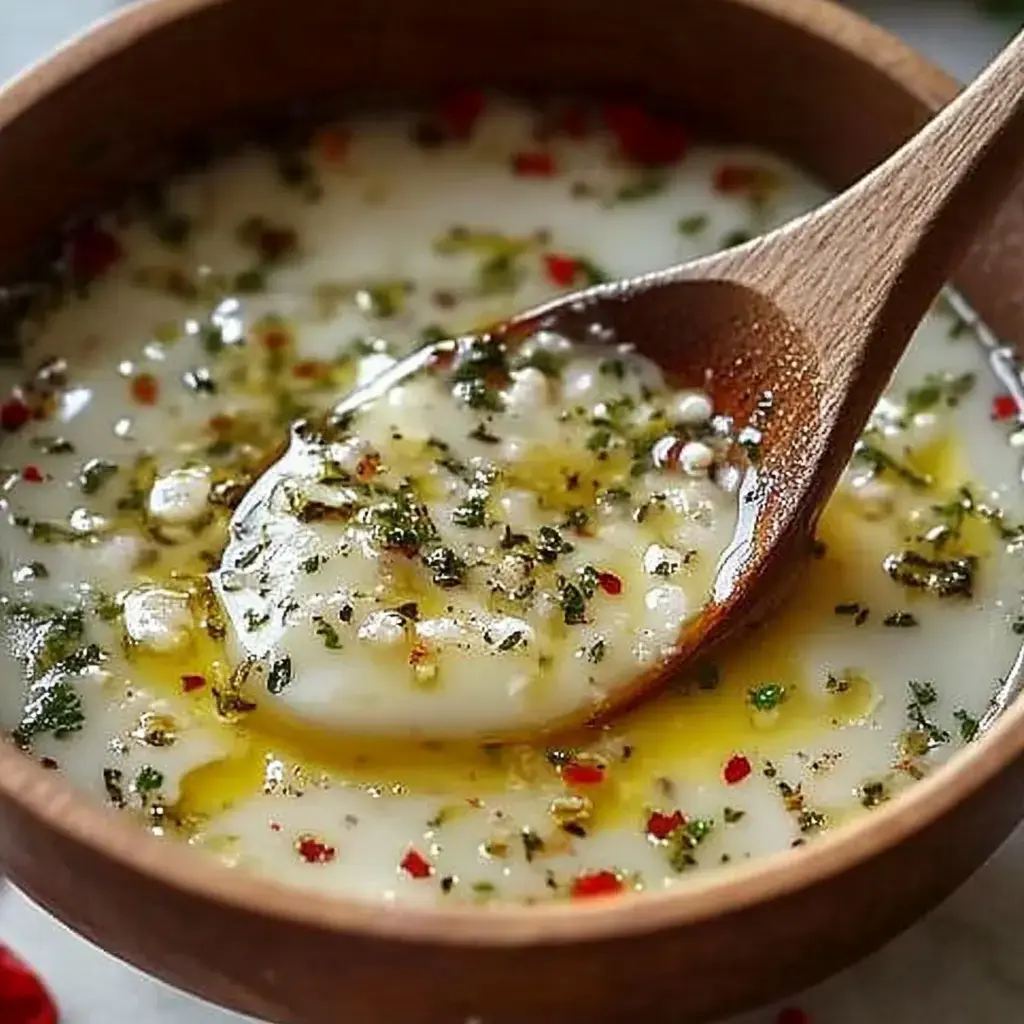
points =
(798, 333)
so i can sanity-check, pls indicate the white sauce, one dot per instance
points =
(136, 548)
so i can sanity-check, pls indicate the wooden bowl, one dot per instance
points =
(802, 77)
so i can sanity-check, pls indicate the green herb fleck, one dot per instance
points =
(327, 633)
(94, 474)
(693, 225)
(685, 840)
(574, 606)
(147, 781)
(767, 697)
(280, 675)
(967, 723)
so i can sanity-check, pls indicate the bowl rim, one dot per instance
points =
(54, 802)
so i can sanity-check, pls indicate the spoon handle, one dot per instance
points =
(858, 274)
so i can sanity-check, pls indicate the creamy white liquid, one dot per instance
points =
(150, 735)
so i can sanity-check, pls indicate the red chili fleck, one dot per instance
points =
(661, 825)
(580, 773)
(366, 468)
(792, 1015)
(561, 270)
(23, 997)
(311, 369)
(609, 583)
(597, 883)
(1004, 407)
(737, 768)
(145, 389)
(91, 252)
(14, 414)
(533, 165)
(333, 142)
(415, 865)
(418, 653)
(643, 138)
(731, 178)
(275, 339)
(33, 474)
(441, 359)
(460, 111)
(191, 683)
(275, 826)
(221, 424)
(313, 851)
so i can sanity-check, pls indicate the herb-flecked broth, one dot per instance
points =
(263, 289)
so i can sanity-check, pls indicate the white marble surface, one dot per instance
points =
(964, 964)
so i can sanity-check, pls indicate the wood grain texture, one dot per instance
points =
(811, 80)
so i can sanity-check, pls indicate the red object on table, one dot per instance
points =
(23, 997)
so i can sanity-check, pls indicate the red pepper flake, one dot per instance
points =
(14, 414)
(311, 369)
(145, 389)
(367, 467)
(610, 583)
(441, 359)
(737, 768)
(1004, 407)
(333, 142)
(275, 339)
(597, 883)
(91, 251)
(33, 474)
(418, 653)
(275, 826)
(792, 1015)
(460, 111)
(533, 165)
(560, 269)
(23, 997)
(582, 773)
(221, 424)
(415, 865)
(314, 851)
(732, 178)
(643, 138)
(191, 683)
(661, 825)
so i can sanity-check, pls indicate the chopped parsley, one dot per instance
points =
(280, 675)
(54, 707)
(147, 781)
(767, 697)
(574, 605)
(685, 840)
(550, 544)
(881, 462)
(472, 513)
(446, 568)
(327, 633)
(953, 577)
(939, 389)
(94, 474)
(692, 225)
(967, 724)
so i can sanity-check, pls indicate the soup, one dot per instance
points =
(240, 696)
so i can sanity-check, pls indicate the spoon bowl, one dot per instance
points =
(793, 335)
